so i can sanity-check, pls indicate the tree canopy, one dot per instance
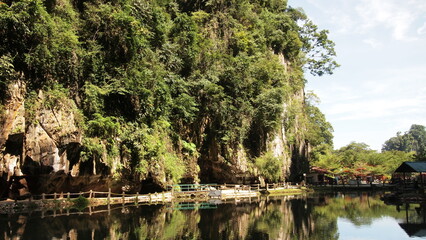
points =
(414, 140)
(358, 159)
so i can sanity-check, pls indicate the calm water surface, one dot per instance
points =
(317, 216)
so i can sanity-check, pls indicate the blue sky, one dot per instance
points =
(380, 88)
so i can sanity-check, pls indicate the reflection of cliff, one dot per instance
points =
(229, 221)
(285, 217)
(291, 218)
(278, 218)
(145, 222)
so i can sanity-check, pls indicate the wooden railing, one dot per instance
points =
(157, 197)
(207, 187)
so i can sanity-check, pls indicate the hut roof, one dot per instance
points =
(412, 167)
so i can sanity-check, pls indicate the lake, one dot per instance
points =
(314, 216)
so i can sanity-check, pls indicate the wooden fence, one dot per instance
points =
(191, 192)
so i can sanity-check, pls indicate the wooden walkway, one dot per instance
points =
(178, 193)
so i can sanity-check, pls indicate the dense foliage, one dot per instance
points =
(161, 82)
(412, 141)
(357, 159)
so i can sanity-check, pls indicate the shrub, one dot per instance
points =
(269, 166)
(80, 203)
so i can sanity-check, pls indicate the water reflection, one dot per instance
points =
(287, 217)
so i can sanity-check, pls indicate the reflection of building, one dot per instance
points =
(414, 229)
(415, 225)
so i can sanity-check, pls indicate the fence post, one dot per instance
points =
(122, 197)
(109, 195)
(68, 196)
(137, 198)
(43, 196)
(54, 196)
(90, 193)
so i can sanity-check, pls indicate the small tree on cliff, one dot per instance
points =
(269, 166)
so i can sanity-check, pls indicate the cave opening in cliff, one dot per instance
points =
(14, 144)
(150, 186)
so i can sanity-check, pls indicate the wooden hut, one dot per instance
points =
(411, 172)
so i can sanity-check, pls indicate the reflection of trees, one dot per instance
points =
(286, 217)
(229, 221)
(291, 219)
(360, 209)
(147, 222)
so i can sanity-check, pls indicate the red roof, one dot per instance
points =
(319, 170)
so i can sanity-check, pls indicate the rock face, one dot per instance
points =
(41, 142)
(294, 153)
(40, 146)
(49, 136)
(221, 164)
(12, 119)
(12, 125)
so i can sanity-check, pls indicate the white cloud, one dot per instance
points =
(376, 108)
(422, 30)
(389, 14)
(374, 43)
(399, 18)
(336, 91)
(389, 93)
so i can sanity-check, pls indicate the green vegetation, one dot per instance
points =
(412, 141)
(161, 83)
(359, 159)
(268, 165)
(80, 203)
(360, 210)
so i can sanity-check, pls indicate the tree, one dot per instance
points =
(318, 49)
(320, 131)
(269, 167)
(412, 141)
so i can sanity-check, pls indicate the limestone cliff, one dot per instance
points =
(12, 126)
(138, 95)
